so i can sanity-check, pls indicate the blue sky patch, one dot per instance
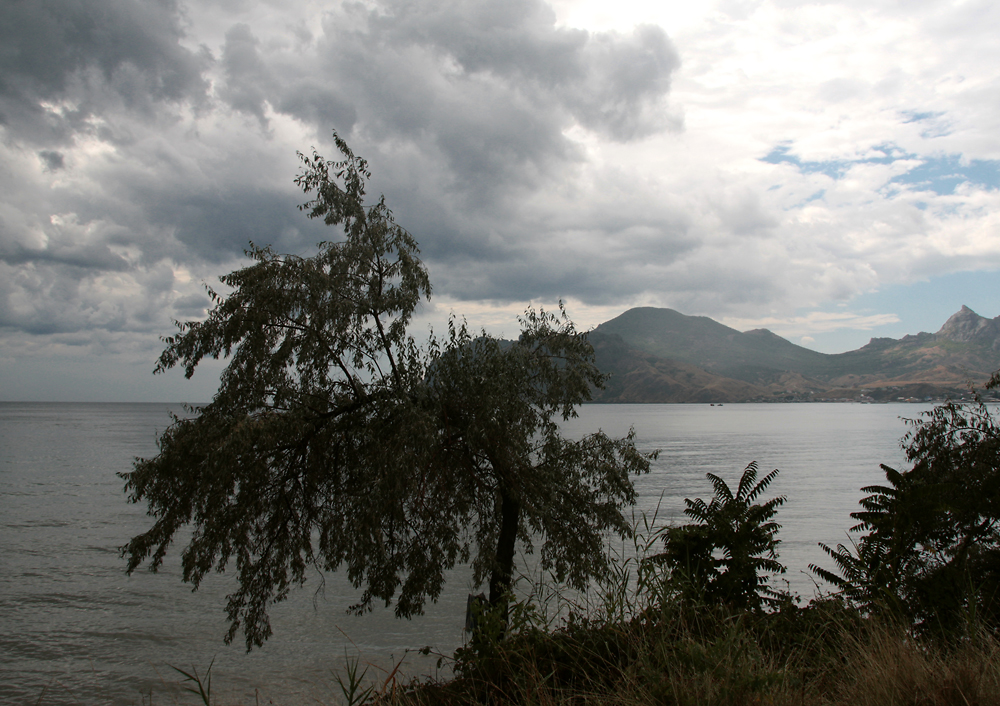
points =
(934, 126)
(832, 168)
(941, 174)
(920, 306)
(913, 116)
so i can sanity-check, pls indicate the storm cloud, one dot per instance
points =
(463, 108)
(64, 61)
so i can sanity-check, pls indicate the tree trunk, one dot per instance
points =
(510, 516)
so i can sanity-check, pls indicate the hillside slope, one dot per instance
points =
(758, 357)
(641, 377)
(661, 355)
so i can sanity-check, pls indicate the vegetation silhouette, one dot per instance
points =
(730, 554)
(336, 442)
(930, 555)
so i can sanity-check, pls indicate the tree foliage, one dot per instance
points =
(335, 442)
(730, 553)
(931, 549)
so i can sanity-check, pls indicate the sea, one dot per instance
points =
(75, 629)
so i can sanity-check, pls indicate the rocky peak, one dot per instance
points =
(966, 325)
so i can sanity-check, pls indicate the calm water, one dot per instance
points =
(75, 629)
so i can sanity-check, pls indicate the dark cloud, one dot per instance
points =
(53, 160)
(88, 256)
(192, 306)
(593, 265)
(215, 226)
(248, 81)
(626, 79)
(77, 51)
(462, 108)
(310, 101)
(493, 86)
(478, 95)
(607, 81)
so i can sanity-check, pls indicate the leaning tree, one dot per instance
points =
(336, 442)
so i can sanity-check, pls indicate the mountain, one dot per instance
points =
(661, 355)
(966, 349)
(969, 327)
(757, 357)
(640, 377)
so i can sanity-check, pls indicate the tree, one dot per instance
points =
(931, 552)
(729, 554)
(336, 442)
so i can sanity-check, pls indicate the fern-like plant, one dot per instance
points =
(730, 553)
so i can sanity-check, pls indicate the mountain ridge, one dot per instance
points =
(662, 355)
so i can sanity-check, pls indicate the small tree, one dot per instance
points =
(335, 442)
(931, 552)
(729, 555)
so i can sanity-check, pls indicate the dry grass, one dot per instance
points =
(823, 659)
(890, 668)
(825, 654)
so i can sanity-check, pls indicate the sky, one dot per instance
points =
(827, 170)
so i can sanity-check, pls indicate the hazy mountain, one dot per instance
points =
(661, 355)
(756, 356)
(640, 377)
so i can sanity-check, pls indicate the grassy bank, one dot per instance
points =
(824, 653)
(634, 640)
(645, 635)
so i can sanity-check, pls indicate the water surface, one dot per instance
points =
(76, 629)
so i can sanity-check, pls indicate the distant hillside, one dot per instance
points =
(641, 377)
(661, 355)
(966, 348)
(757, 357)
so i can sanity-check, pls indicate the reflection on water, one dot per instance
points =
(75, 627)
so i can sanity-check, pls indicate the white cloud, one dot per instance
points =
(813, 323)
